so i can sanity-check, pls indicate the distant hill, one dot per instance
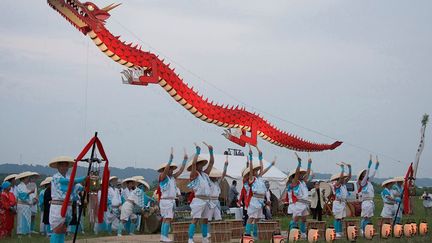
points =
(150, 175)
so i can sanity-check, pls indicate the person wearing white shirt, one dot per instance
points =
(59, 187)
(255, 200)
(200, 185)
(167, 192)
(300, 196)
(427, 202)
(216, 178)
(24, 204)
(366, 191)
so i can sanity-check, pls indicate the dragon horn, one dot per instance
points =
(110, 7)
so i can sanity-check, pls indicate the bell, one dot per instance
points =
(407, 230)
(330, 234)
(414, 228)
(423, 228)
(313, 235)
(397, 231)
(246, 239)
(386, 230)
(352, 233)
(369, 232)
(294, 235)
(277, 238)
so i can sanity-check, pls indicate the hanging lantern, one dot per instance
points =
(352, 233)
(414, 228)
(369, 231)
(397, 231)
(313, 235)
(294, 235)
(423, 228)
(386, 230)
(94, 177)
(247, 239)
(330, 235)
(407, 230)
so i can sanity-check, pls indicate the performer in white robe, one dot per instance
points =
(366, 191)
(300, 197)
(389, 201)
(341, 193)
(112, 215)
(24, 204)
(256, 194)
(59, 186)
(200, 185)
(34, 197)
(216, 178)
(129, 185)
(167, 192)
(397, 190)
(134, 205)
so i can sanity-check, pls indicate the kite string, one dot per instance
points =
(86, 87)
(248, 105)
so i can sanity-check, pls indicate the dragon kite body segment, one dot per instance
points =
(143, 68)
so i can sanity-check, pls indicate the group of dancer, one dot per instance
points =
(128, 199)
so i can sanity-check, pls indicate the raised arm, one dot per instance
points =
(349, 172)
(224, 169)
(297, 172)
(251, 176)
(66, 180)
(340, 180)
(372, 176)
(167, 167)
(268, 167)
(211, 161)
(183, 165)
(194, 173)
(308, 172)
(365, 178)
(260, 158)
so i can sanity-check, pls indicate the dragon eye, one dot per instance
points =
(90, 7)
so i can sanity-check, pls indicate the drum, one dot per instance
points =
(152, 222)
(327, 189)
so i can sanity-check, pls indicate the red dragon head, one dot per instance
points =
(84, 16)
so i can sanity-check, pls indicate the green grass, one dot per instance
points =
(419, 214)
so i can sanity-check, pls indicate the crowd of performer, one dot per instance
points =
(127, 199)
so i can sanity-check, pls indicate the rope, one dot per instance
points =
(86, 88)
(250, 106)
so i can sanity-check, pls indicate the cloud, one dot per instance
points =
(357, 71)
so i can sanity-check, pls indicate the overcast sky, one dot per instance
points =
(358, 71)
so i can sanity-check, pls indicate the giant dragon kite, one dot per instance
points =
(145, 68)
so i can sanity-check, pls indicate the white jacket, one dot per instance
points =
(314, 198)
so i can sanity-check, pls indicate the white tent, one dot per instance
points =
(236, 164)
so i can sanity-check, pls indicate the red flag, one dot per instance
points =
(407, 185)
(105, 181)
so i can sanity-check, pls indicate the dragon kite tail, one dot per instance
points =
(144, 68)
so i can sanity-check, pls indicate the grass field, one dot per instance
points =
(419, 214)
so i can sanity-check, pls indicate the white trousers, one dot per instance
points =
(199, 208)
(339, 209)
(367, 209)
(56, 219)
